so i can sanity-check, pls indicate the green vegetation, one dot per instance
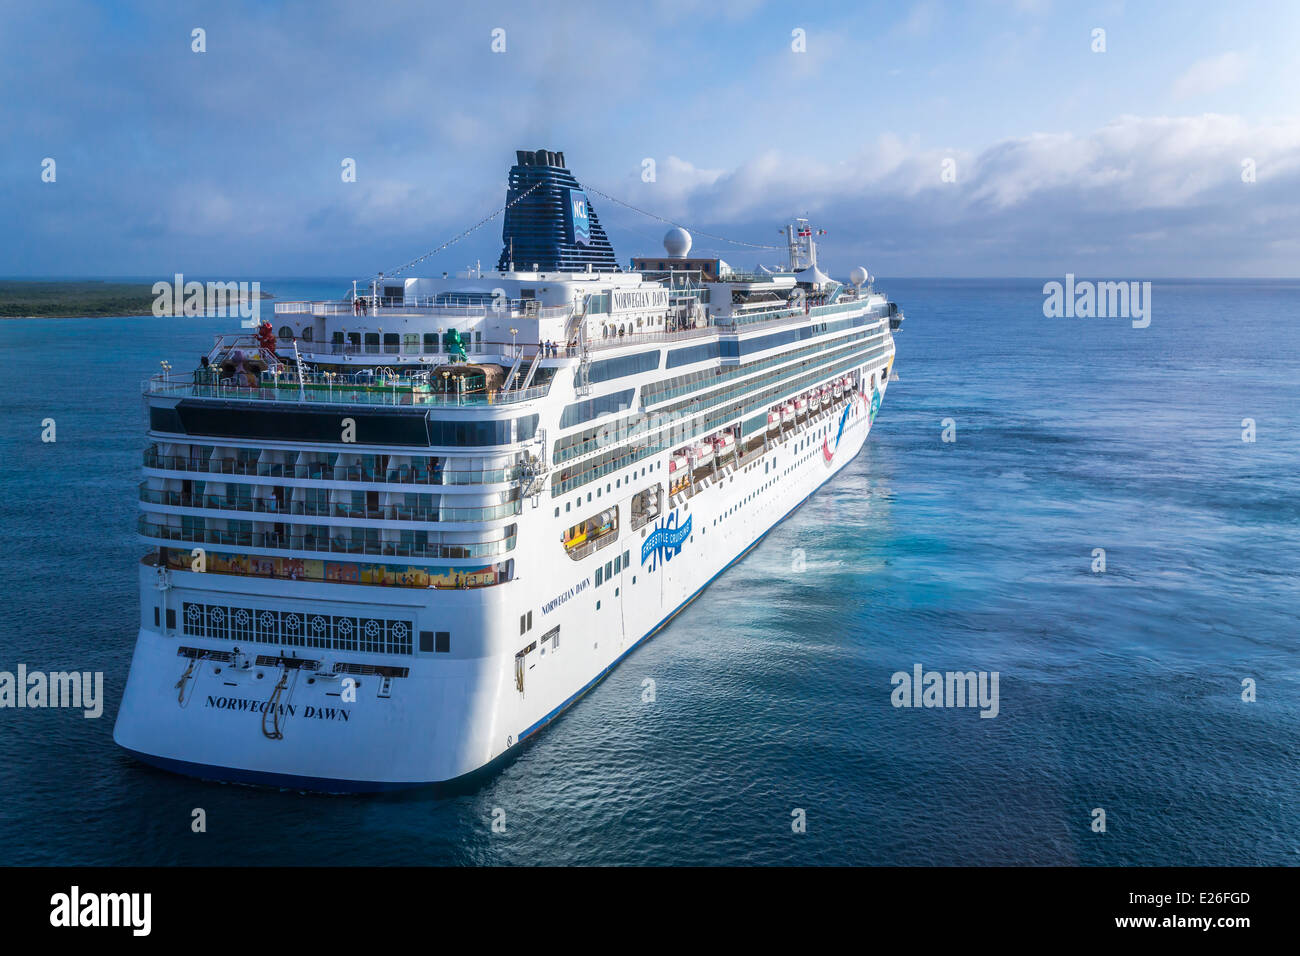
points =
(23, 298)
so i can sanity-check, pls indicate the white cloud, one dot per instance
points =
(1160, 193)
(1209, 75)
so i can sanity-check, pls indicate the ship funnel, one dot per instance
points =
(549, 220)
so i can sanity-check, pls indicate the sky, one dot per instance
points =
(986, 138)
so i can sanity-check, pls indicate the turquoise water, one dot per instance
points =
(1118, 690)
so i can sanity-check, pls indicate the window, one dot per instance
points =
(593, 408)
(442, 644)
(606, 369)
(600, 579)
(285, 332)
(307, 334)
(426, 641)
(523, 625)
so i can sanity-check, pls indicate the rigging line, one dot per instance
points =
(482, 222)
(694, 232)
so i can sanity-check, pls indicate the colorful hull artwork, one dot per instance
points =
(828, 450)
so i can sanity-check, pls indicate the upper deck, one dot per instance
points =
(405, 371)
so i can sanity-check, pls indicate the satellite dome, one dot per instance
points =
(677, 242)
(859, 277)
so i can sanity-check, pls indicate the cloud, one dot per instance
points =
(1209, 75)
(1154, 193)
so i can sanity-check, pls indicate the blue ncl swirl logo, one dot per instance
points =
(666, 541)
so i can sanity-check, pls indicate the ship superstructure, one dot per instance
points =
(396, 534)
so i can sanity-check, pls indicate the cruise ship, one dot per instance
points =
(392, 536)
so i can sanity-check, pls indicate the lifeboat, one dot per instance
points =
(836, 391)
(773, 421)
(814, 400)
(800, 406)
(787, 413)
(703, 454)
(724, 444)
(676, 464)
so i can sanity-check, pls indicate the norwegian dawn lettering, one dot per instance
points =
(341, 714)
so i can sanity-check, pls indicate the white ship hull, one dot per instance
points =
(395, 538)
(450, 718)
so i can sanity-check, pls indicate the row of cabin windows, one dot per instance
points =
(410, 340)
(613, 567)
(568, 505)
(431, 642)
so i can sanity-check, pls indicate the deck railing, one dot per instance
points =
(271, 505)
(427, 305)
(334, 392)
(335, 544)
(424, 474)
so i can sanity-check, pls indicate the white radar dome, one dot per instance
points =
(859, 277)
(677, 242)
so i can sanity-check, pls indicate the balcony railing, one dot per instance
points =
(423, 474)
(774, 318)
(335, 544)
(426, 305)
(274, 506)
(323, 391)
(591, 546)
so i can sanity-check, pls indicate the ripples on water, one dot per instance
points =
(1119, 690)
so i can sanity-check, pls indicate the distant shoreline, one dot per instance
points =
(22, 299)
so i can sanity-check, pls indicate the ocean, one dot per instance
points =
(1120, 690)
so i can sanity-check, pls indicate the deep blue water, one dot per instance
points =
(1119, 690)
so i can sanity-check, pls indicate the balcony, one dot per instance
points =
(324, 388)
(426, 474)
(274, 506)
(439, 306)
(329, 544)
